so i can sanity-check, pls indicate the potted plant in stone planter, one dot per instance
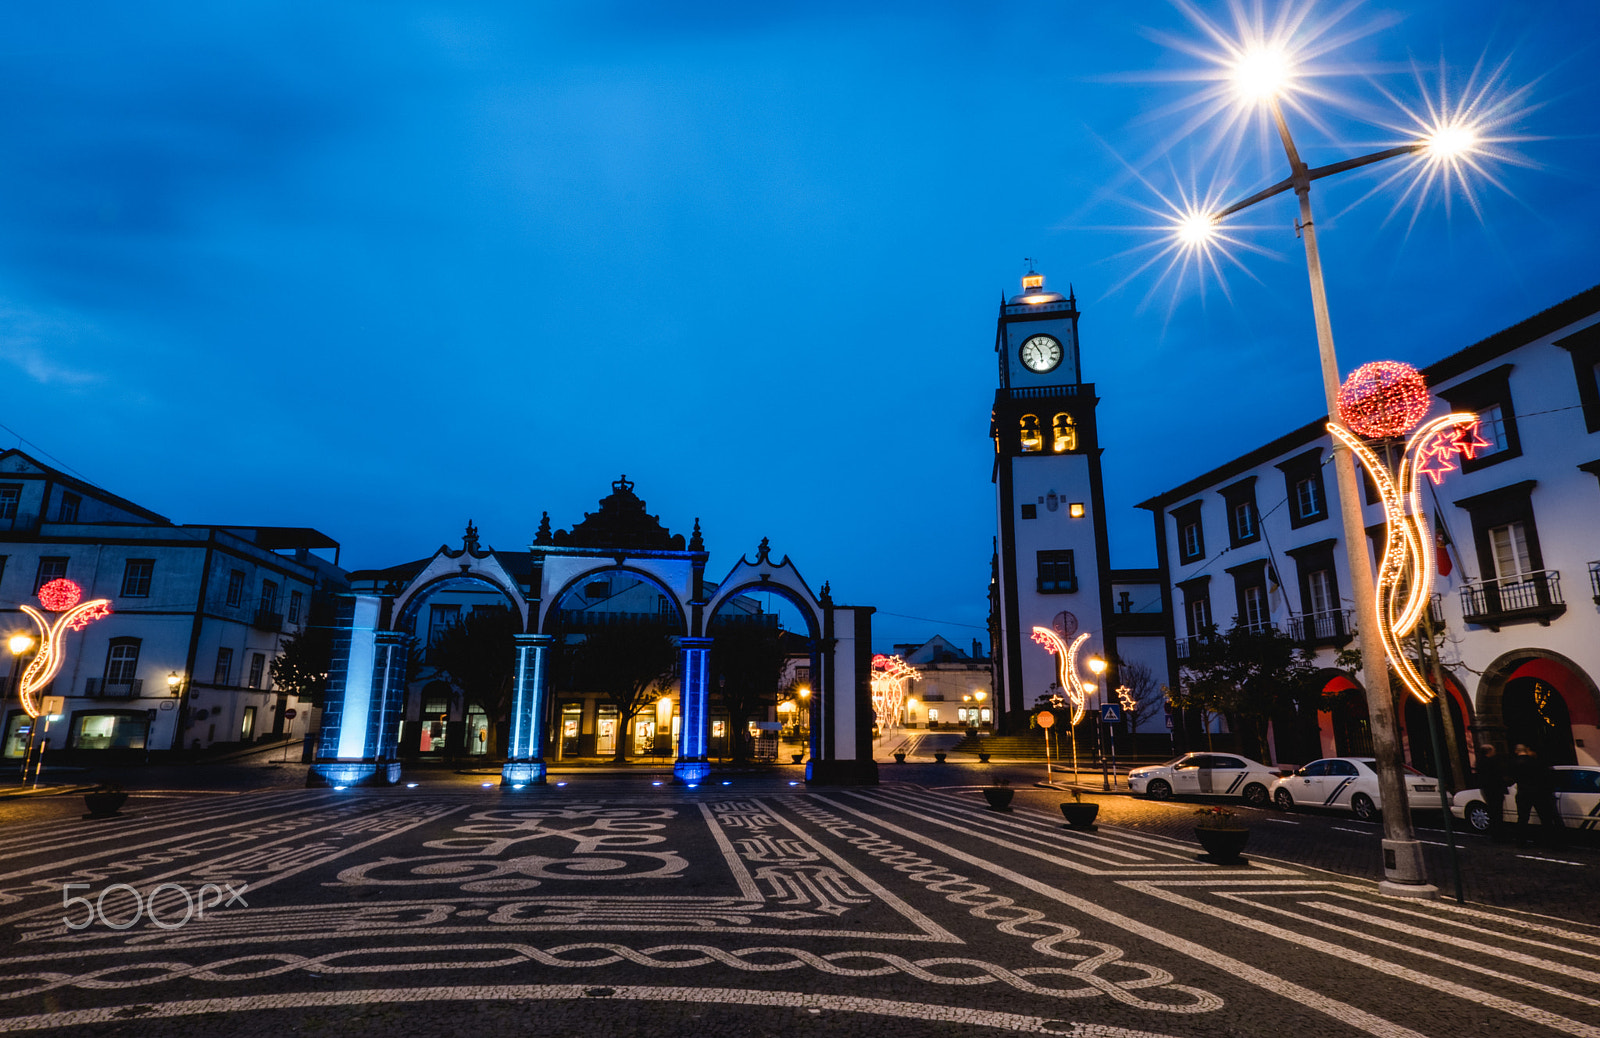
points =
(1078, 814)
(1222, 837)
(939, 757)
(899, 756)
(797, 757)
(999, 795)
(104, 799)
(983, 758)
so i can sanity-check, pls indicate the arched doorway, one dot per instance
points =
(1419, 735)
(634, 714)
(1543, 699)
(763, 657)
(1345, 727)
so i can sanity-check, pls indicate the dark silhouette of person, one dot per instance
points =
(1492, 782)
(1536, 791)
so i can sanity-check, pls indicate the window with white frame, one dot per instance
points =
(122, 663)
(1492, 428)
(236, 587)
(1308, 497)
(10, 496)
(297, 601)
(67, 510)
(258, 666)
(1256, 610)
(1244, 520)
(1199, 615)
(51, 567)
(136, 574)
(1509, 543)
(1319, 589)
(224, 672)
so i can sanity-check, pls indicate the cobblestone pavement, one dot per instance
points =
(611, 906)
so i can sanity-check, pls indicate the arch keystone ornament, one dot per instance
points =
(1385, 404)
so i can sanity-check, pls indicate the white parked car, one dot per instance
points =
(1206, 774)
(1350, 783)
(1577, 800)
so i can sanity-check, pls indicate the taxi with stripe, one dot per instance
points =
(1348, 784)
(1206, 774)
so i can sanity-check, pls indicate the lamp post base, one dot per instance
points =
(1404, 874)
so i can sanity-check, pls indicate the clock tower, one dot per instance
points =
(1051, 557)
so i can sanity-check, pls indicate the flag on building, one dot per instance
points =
(1442, 541)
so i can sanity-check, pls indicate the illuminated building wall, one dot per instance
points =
(1518, 607)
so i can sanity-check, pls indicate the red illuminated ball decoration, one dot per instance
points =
(60, 595)
(1384, 398)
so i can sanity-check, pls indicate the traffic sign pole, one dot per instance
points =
(1045, 719)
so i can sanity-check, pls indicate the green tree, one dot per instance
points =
(478, 654)
(747, 661)
(1251, 675)
(630, 664)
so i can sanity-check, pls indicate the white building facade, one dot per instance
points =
(198, 613)
(1257, 542)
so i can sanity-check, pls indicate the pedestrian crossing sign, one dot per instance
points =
(1110, 713)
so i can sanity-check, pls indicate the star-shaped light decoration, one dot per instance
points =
(1125, 695)
(1468, 442)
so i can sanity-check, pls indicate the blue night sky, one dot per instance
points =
(379, 268)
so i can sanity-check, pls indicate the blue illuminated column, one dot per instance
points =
(530, 690)
(694, 691)
(362, 704)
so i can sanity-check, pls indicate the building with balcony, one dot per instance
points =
(1256, 541)
(198, 613)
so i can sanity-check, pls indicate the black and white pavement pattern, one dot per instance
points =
(757, 908)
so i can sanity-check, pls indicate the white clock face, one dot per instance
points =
(1041, 353)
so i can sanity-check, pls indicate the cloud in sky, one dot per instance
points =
(381, 268)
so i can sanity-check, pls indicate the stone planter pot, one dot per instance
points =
(939, 757)
(1222, 845)
(1078, 814)
(983, 758)
(999, 797)
(797, 757)
(104, 804)
(899, 758)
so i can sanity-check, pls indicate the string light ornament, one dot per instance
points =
(1384, 398)
(1125, 697)
(64, 598)
(889, 677)
(1406, 572)
(1066, 667)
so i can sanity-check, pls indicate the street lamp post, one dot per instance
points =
(20, 645)
(1404, 871)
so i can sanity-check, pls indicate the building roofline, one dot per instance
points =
(1545, 322)
(66, 479)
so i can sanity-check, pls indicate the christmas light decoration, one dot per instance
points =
(60, 595)
(1125, 697)
(1384, 398)
(1406, 572)
(1066, 667)
(889, 677)
(63, 597)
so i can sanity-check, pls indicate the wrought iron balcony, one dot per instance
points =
(99, 688)
(267, 620)
(1594, 581)
(1509, 600)
(1330, 627)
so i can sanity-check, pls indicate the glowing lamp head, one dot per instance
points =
(60, 595)
(1195, 229)
(1450, 141)
(1097, 665)
(1383, 398)
(1261, 73)
(19, 644)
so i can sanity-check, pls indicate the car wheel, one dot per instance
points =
(1255, 794)
(1159, 790)
(1363, 807)
(1284, 801)
(1478, 816)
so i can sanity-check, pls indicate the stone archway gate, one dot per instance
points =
(366, 689)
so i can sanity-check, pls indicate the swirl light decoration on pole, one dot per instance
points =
(59, 596)
(1406, 571)
(1066, 667)
(1261, 70)
(889, 677)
